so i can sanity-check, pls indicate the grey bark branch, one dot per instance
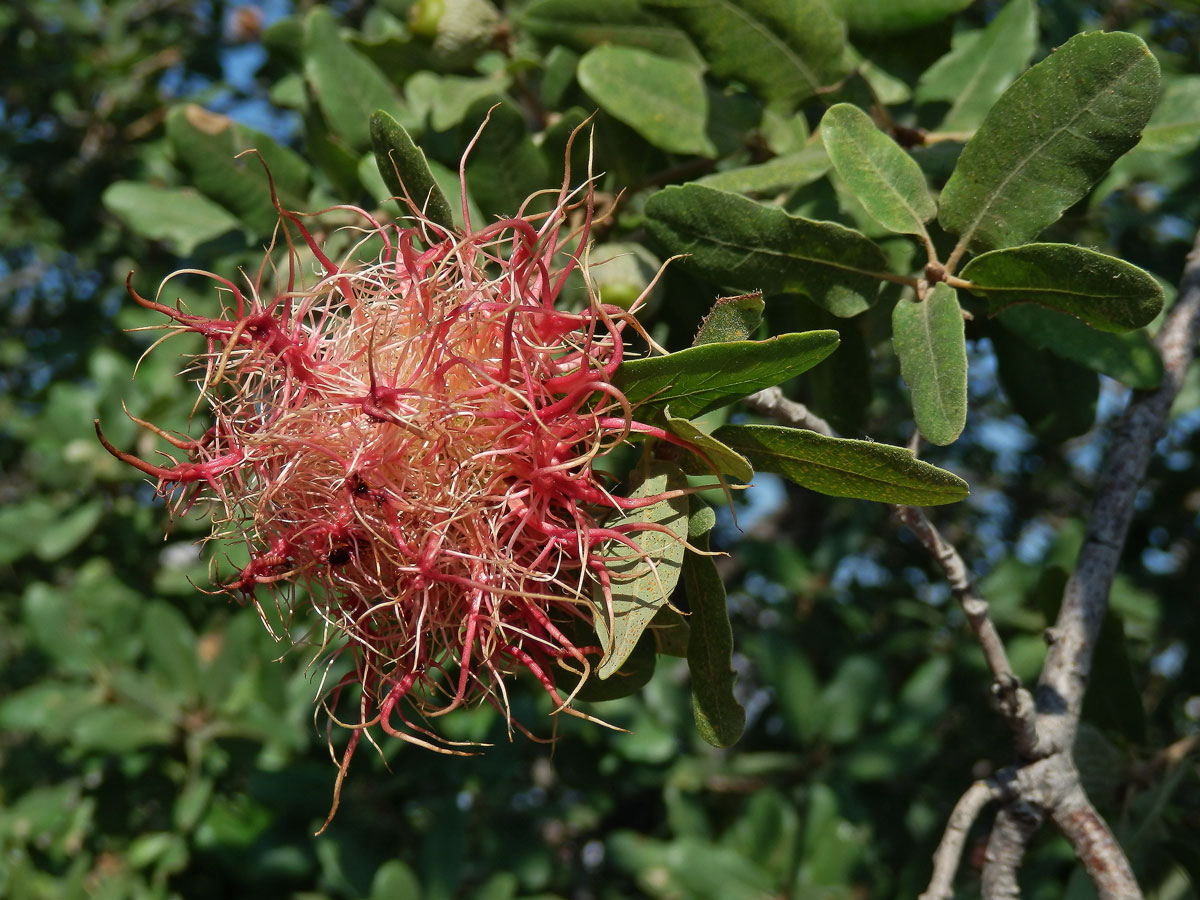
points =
(1069, 661)
(1014, 827)
(771, 402)
(1046, 781)
(1015, 702)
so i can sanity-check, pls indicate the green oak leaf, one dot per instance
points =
(841, 467)
(583, 24)
(731, 319)
(883, 17)
(886, 180)
(930, 343)
(783, 173)
(720, 718)
(786, 50)
(641, 584)
(1049, 138)
(700, 379)
(349, 87)
(981, 64)
(181, 217)
(661, 99)
(208, 145)
(720, 457)
(1103, 291)
(405, 170)
(742, 245)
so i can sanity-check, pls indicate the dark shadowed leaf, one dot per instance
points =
(787, 50)
(406, 171)
(841, 467)
(974, 74)
(1049, 138)
(1103, 291)
(699, 379)
(1131, 358)
(720, 718)
(731, 319)
(642, 583)
(930, 343)
(661, 99)
(743, 245)
(886, 180)
(1056, 397)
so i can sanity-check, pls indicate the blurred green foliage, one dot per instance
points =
(156, 742)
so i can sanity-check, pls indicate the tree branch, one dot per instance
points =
(1073, 638)
(771, 402)
(1014, 827)
(1015, 702)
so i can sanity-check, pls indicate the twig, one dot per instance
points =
(771, 402)
(1015, 702)
(949, 851)
(1073, 638)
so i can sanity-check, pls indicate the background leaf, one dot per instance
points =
(1103, 291)
(742, 245)
(787, 50)
(974, 74)
(699, 379)
(886, 180)
(349, 87)
(841, 467)
(181, 217)
(661, 99)
(783, 173)
(208, 145)
(1049, 138)
(583, 24)
(930, 342)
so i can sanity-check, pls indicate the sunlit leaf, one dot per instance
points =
(661, 99)
(699, 379)
(1103, 291)
(929, 339)
(885, 179)
(1049, 138)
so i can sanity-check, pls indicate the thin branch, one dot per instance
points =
(1015, 826)
(1015, 702)
(1085, 600)
(771, 402)
(949, 852)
